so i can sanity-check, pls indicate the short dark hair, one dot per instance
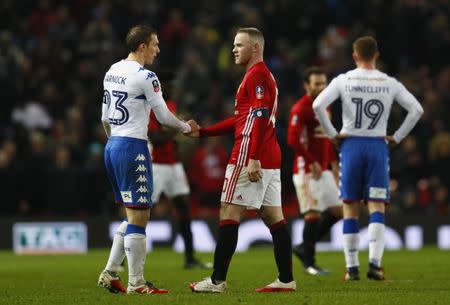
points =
(137, 35)
(310, 71)
(366, 47)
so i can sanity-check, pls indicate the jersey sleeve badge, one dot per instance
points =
(259, 92)
(156, 86)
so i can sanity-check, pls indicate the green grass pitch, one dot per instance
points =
(414, 277)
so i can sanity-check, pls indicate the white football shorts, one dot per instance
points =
(238, 189)
(169, 179)
(316, 195)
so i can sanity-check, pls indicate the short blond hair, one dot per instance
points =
(254, 35)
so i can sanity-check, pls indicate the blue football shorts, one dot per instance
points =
(364, 169)
(129, 168)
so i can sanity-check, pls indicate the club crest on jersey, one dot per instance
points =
(156, 86)
(259, 92)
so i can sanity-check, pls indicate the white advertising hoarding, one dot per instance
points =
(49, 237)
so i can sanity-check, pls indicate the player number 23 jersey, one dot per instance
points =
(130, 91)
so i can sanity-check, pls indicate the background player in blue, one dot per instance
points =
(367, 96)
(130, 92)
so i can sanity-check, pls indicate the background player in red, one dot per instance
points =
(170, 178)
(252, 178)
(315, 184)
(206, 172)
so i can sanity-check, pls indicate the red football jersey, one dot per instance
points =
(258, 90)
(163, 153)
(307, 137)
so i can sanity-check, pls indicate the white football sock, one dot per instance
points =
(117, 254)
(351, 243)
(376, 243)
(135, 248)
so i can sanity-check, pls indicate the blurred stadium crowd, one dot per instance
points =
(53, 56)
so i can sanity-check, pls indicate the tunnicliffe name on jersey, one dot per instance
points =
(367, 89)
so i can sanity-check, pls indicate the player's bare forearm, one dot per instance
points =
(107, 128)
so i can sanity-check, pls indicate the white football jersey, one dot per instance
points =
(130, 91)
(367, 97)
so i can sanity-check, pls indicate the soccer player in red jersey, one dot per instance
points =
(252, 178)
(315, 184)
(170, 178)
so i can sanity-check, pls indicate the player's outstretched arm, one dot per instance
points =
(221, 128)
(107, 128)
(167, 118)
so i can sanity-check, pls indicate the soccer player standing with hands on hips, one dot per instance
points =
(315, 184)
(130, 91)
(367, 96)
(252, 178)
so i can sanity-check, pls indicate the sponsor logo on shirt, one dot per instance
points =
(259, 92)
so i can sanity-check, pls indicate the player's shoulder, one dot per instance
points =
(349, 74)
(296, 107)
(260, 70)
(341, 77)
(302, 105)
(148, 77)
(145, 74)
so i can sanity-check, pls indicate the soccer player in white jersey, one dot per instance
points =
(367, 96)
(130, 91)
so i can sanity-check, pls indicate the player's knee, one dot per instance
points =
(230, 211)
(336, 212)
(312, 216)
(351, 210)
(138, 217)
(376, 206)
(271, 215)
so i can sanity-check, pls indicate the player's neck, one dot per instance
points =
(366, 65)
(134, 56)
(253, 62)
